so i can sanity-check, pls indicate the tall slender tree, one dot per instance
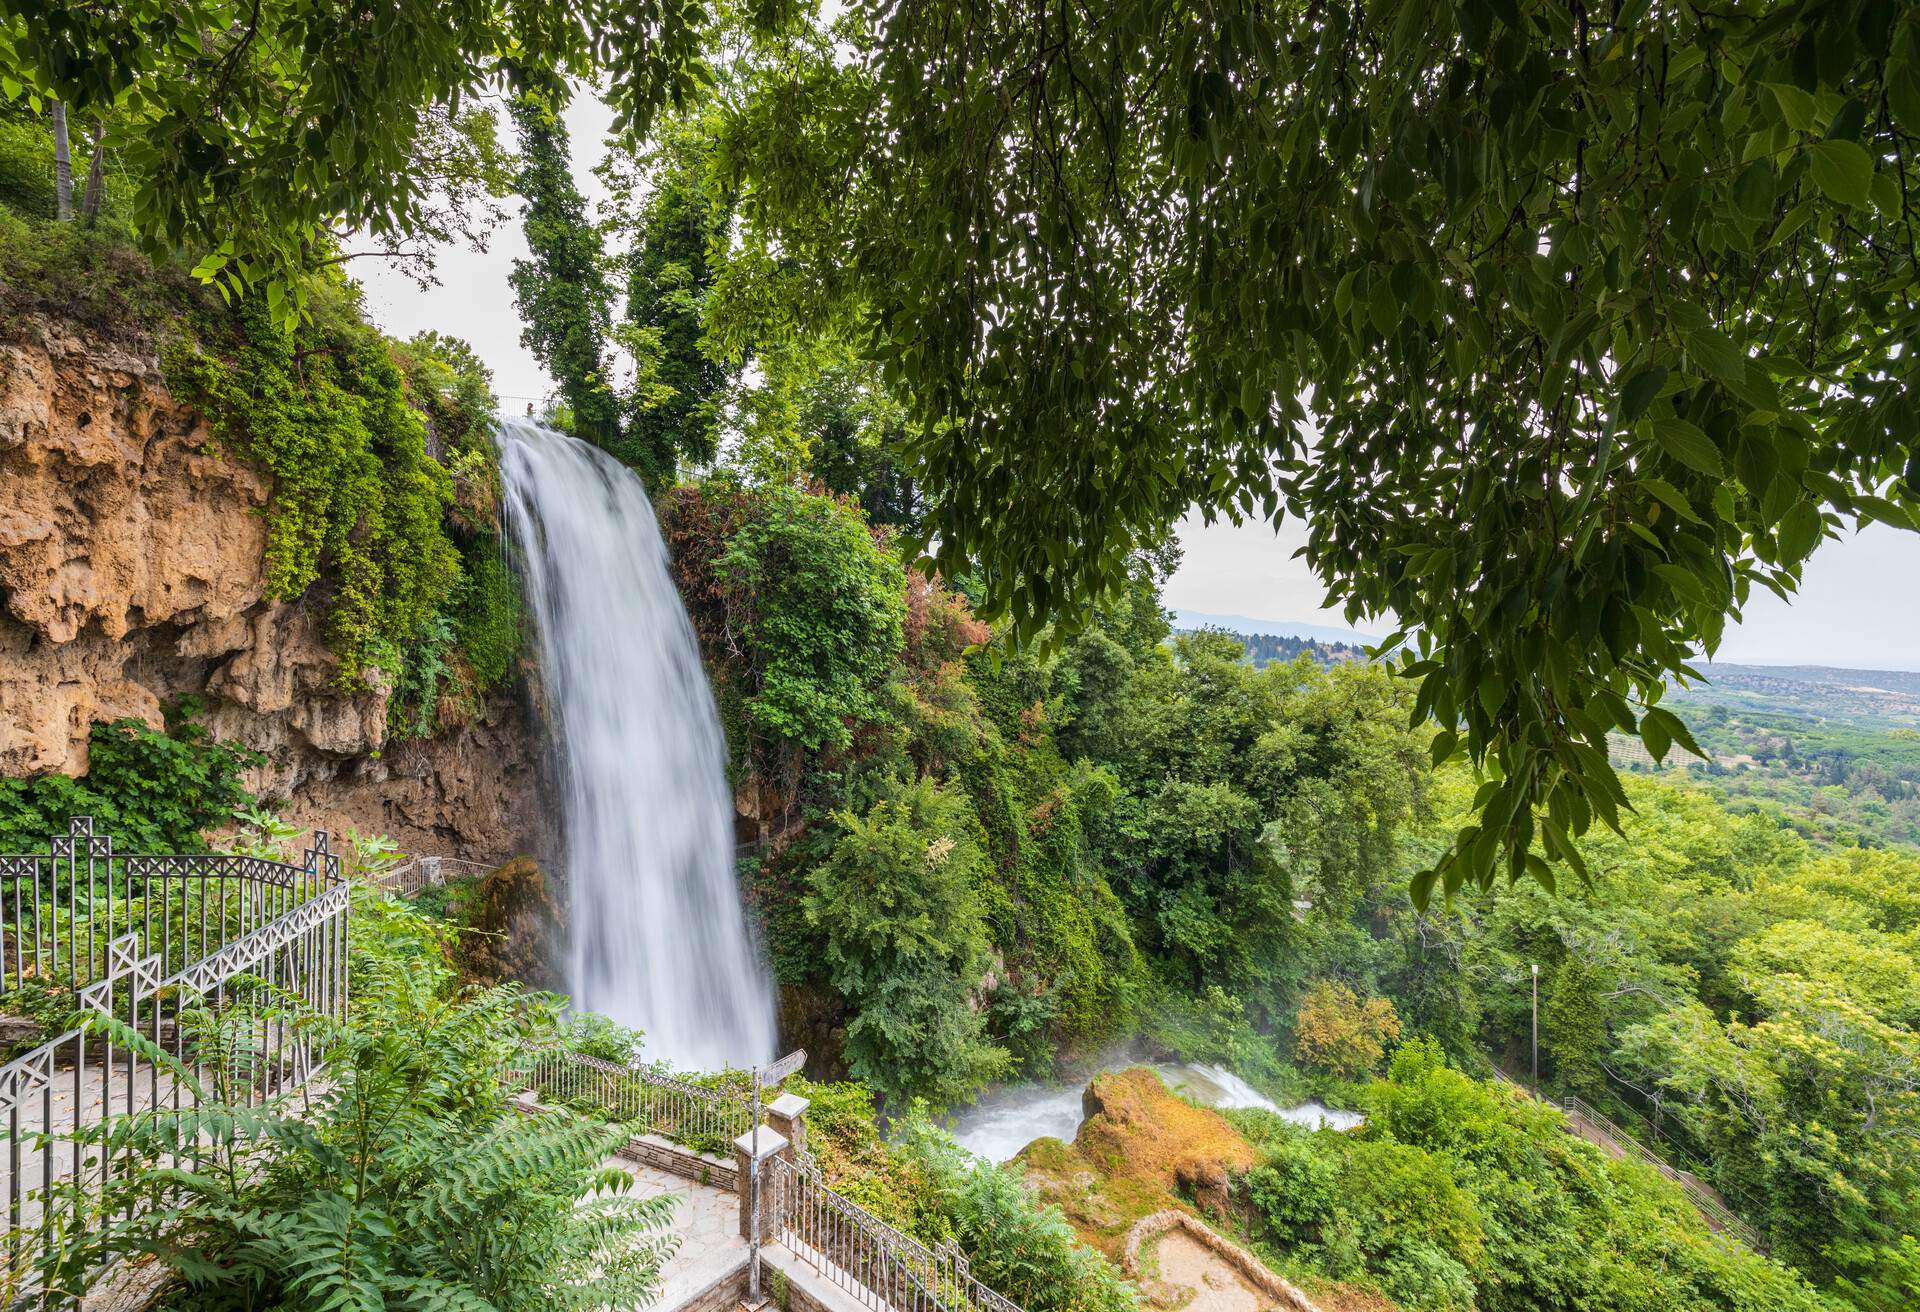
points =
(62, 165)
(562, 290)
(682, 223)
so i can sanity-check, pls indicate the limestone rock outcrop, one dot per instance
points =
(132, 573)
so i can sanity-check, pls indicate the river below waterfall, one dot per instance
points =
(1007, 1119)
(657, 935)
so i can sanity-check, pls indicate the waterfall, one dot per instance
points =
(658, 938)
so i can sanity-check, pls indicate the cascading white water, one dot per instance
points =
(658, 937)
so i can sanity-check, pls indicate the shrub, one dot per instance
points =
(150, 790)
(1017, 1246)
(1294, 1189)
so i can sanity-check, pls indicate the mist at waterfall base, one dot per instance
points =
(657, 939)
(1007, 1119)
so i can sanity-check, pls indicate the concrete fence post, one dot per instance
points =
(772, 1144)
(787, 1115)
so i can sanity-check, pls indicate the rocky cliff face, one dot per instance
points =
(131, 554)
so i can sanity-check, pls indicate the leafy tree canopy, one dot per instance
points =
(259, 132)
(1563, 327)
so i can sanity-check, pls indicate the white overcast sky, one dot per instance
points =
(1858, 608)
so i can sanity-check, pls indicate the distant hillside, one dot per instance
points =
(1883, 699)
(1263, 649)
(1837, 752)
(1247, 626)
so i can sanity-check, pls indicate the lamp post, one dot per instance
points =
(1535, 967)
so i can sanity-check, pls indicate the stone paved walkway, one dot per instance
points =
(705, 1220)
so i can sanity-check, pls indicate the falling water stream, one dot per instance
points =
(658, 938)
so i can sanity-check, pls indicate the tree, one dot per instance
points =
(1563, 330)
(564, 301)
(257, 132)
(1338, 1033)
(898, 908)
(681, 227)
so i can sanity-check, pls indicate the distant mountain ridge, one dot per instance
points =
(1198, 619)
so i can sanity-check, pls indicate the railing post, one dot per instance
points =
(747, 1153)
(787, 1115)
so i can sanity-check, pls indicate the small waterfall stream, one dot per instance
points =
(1008, 1118)
(658, 937)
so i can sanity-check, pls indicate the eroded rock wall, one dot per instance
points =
(131, 572)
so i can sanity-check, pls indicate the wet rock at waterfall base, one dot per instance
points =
(516, 930)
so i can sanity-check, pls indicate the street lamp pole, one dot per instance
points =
(1536, 1029)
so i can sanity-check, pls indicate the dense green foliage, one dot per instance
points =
(1602, 318)
(149, 790)
(1735, 995)
(404, 1180)
(977, 858)
(897, 912)
(1463, 1195)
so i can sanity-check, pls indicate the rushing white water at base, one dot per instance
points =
(1005, 1120)
(658, 938)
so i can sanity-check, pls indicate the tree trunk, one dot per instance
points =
(96, 177)
(62, 166)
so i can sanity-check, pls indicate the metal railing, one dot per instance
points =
(421, 872)
(879, 1266)
(63, 907)
(148, 940)
(1712, 1208)
(702, 1118)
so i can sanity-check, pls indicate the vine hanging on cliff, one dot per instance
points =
(357, 504)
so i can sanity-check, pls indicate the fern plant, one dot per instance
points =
(398, 1179)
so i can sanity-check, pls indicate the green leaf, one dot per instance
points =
(1717, 353)
(1903, 95)
(1796, 106)
(1541, 872)
(1672, 498)
(1638, 392)
(1842, 171)
(1800, 531)
(1671, 729)
(1688, 445)
(1754, 190)
(1655, 734)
